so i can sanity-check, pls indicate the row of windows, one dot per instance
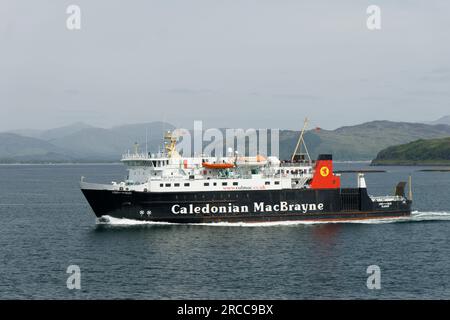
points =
(206, 184)
(175, 185)
(154, 163)
(159, 163)
(212, 196)
(297, 171)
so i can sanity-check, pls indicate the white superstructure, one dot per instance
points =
(168, 171)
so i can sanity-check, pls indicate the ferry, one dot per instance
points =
(168, 187)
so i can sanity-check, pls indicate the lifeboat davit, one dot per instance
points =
(217, 165)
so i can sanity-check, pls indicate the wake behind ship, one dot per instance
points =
(167, 187)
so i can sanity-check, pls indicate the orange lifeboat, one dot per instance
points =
(217, 165)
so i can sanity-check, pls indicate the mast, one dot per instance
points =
(410, 188)
(301, 142)
(170, 144)
(146, 141)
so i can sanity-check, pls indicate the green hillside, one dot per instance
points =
(364, 141)
(419, 152)
(359, 142)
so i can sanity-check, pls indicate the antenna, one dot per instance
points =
(146, 141)
(301, 142)
(164, 125)
(410, 188)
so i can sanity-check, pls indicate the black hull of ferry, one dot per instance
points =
(244, 206)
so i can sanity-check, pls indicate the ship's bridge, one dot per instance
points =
(145, 160)
(142, 166)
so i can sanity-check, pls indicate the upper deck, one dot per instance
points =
(168, 171)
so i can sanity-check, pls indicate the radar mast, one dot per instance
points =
(301, 142)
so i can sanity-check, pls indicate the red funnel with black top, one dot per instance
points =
(324, 177)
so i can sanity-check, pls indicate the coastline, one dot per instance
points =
(118, 162)
(431, 163)
(58, 163)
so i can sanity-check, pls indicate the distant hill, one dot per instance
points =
(443, 120)
(100, 144)
(52, 133)
(96, 144)
(85, 143)
(33, 133)
(16, 148)
(363, 141)
(419, 152)
(80, 143)
(63, 131)
(360, 142)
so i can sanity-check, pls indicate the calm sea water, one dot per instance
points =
(46, 225)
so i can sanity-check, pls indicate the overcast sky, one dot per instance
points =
(230, 63)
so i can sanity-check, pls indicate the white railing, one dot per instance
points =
(386, 198)
(143, 156)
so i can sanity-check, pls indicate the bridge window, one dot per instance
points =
(267, 183)
(186, 184)
(161, 185)
(224, 183)
(176, 185)
(206, 184)
(277, 182)
(168, 184)
(235, 183)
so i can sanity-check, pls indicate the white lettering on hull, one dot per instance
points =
(258, 207)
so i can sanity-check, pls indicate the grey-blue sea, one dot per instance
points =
(46, 225)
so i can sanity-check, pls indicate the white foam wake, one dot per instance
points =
(415, 216)
(108, 220)
(424, 216)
